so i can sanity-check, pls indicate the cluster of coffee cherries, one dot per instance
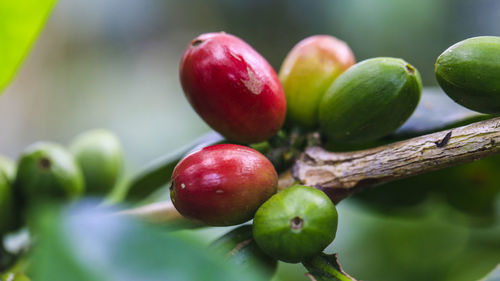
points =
(319, 88)
(236, 91)
(46, 171)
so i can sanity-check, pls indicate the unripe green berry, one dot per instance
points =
(48, 171)
(295, 224)
(99, 154)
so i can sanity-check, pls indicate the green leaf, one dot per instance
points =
(494, 275)
(239, 247)
(159, 171)
(325, 267)
(85, 243)
(14, 277)
(20, 23)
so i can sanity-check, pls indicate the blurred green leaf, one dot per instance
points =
(159, 171)
(494, 275)
(84, 243)
(325, 267)
(239, 247)
(20, 23)
(14, 277)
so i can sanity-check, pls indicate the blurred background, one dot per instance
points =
(114, 64)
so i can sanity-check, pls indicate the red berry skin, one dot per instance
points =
(222, 184)
(232, 87)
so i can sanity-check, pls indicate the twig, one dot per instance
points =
(341, 174)
(159, 212)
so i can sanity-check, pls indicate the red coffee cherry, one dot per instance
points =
(232, 87)
(222, 184)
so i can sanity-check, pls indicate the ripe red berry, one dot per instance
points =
(222, 184)
(232, 87)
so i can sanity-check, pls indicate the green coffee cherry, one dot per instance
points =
(370, 100)
(99, 154)
(240, 248)
(48, 171)
(469, 73)
(8, 167)
(295, 224)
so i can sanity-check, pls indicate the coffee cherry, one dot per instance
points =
(370, 100)
(468, 72)
(308, 71)
(232, 87)
(99, 154)
(222, 184)
(48, 171)
(295, 224)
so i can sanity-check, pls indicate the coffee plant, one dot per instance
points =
(285, 150)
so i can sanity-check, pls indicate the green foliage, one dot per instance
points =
(434, 246)
(159, 171)
(325, 267)
(14, 277)
(494, 275)
(239, 247)
(85, 243)
(20, 23)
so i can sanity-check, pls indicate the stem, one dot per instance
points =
(340, 174)
(160, 212)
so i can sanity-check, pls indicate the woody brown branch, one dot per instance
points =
(341, 174)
